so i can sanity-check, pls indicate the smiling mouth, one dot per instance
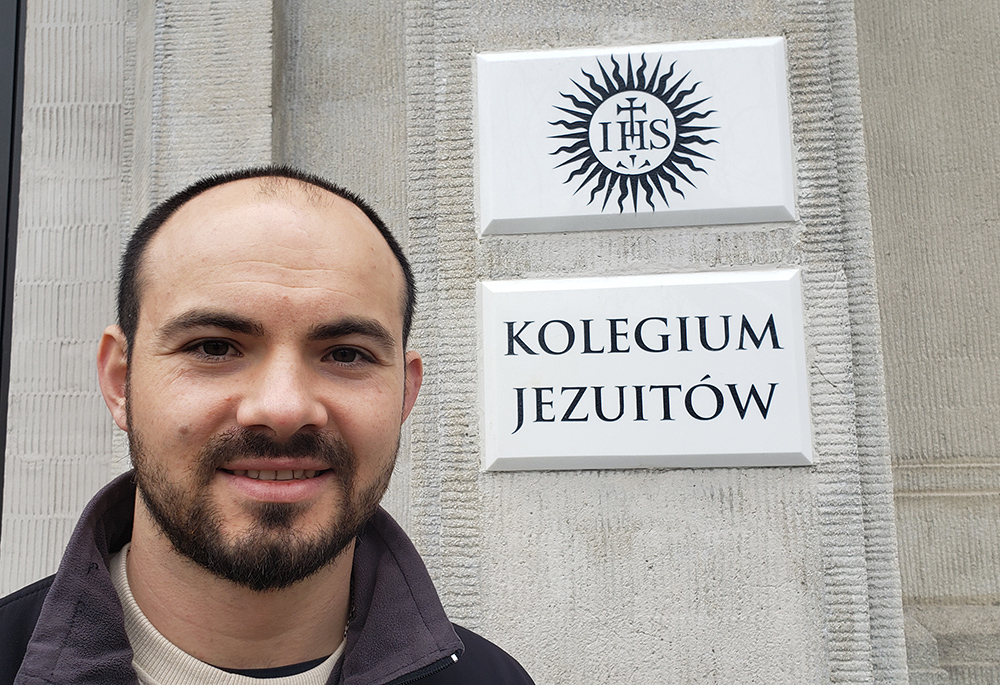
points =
(298, 474)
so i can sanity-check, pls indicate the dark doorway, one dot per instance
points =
(11, 92)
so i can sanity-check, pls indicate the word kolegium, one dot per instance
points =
(660, 400)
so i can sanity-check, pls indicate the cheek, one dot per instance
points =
(175, 417)
(371, 427)
(194, 416)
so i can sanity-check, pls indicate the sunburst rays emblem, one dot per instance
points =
(634, 133)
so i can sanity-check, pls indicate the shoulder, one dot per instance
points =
(18, 614)
(483, 662)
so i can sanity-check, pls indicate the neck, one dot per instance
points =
(227, 625)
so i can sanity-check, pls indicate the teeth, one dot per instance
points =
(287, 474)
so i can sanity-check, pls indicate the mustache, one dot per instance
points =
(242, 442)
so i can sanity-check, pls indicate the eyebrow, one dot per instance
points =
(354, 326)
(201, 318)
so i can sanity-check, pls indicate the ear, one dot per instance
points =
(414, 376)
(112, 370)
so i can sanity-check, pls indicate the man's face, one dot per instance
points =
(267, 382)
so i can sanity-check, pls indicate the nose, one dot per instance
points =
(282, 398)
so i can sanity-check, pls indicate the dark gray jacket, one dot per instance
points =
(69, 628)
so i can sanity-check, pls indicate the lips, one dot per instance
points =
(285, 474)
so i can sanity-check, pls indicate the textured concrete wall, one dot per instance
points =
(770, 576)
(931, 106)
(204, 71)
(58, 438)
(721, 576)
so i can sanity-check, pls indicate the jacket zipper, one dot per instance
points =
(426, 671)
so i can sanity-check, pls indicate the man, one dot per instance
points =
(260, 370)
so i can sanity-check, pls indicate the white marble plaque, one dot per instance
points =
(681, 370)
(634, 137)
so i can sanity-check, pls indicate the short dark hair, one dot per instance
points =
(129, 295)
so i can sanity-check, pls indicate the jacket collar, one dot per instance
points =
(399, 625)
(80, 633)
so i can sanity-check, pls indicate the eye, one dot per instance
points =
(213, 349)
(347, 355)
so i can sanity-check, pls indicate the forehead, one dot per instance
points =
(258, 236)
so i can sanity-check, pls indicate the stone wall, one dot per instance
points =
(931, 104)
(777, 575)
(72, 172)
(780, 575)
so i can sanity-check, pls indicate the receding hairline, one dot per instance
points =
(267, 188)
(273, 179)
(277, 187)
(282, 186)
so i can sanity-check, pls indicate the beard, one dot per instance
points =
(271, 553)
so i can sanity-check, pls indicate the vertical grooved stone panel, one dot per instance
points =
(58, 431)
(881, 555)
(421, 169)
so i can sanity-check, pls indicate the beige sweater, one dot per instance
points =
(157, 661)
